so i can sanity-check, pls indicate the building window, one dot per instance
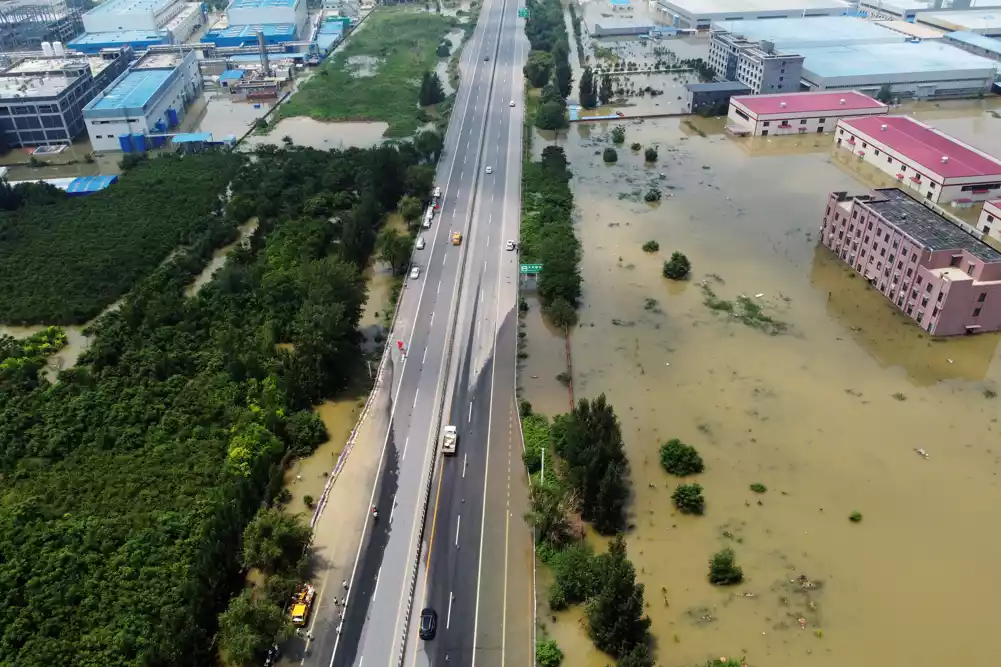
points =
(865, 145)
(802, 122)
(955, 260)
(928, 289)
(903, 167)
(882, 252)
(855, 215)
(910, 309)
(877, 152)
(971, 267)
(914, 257)
(914, 294)
(900, 265)
(982, 297)
(987, 230)
(934, 312)
(889, 160)
(764, 133)
(869, 227)
(910, 272)
(918, 281)
(841, 131)
(896, 244)
(976, 312)
(821, 120)
(886, 238)
(990, 218)
(924, 302)
(767, 123)
(931, 184)
(820, 129)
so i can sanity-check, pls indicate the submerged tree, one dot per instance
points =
(432, 91)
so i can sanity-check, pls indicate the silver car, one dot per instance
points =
(415, 273)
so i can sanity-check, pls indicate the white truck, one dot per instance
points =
(449, 439)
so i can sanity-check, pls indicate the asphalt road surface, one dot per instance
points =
(451, 319)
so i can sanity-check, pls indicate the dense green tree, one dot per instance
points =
(432, 91)
(574, 575)
(429, 145)
(394, 249)
(650, 154)
(618, 134)
(552, 513)
(305, 431)
(589, 441)
(249, 627)
(723, 569)
(638, 656)
(539, 68)
(444, 49)
(885, 94)
(615, 618)
(551, 116)
(688, 498)
(411, 208)
(605, 92)
(274, 541)
(562, 73)
(548, 653)
(610, 155)
(678, 267)
(680, 459)
(587, 89)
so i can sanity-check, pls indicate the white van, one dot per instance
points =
(427, 220)
(437, 192)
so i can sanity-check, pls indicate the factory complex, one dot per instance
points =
(849, 53)
(797, 113)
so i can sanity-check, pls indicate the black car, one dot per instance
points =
(429, 624)
(486, 58)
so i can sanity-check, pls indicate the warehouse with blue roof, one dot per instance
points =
(141, 107)
(978, 45)
(246, 35)
(138, 40)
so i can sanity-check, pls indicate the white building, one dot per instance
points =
(115, 15)
(148, 99)
(981, 21)
(701, 14)
(255, 12)
(797, 113)
(185, 22)
(990, 219)
(930, 163)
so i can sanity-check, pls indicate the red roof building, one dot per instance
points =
(798, 113)
(937, 167)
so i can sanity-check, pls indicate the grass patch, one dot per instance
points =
(694, 128)
(758, 487)
(405, 43)
(743, 309)
(900, 396)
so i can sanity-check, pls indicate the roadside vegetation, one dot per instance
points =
(403, 46)
(128, 486)
(547, 234)
(586, 479)
(548, 65)
(66, 259)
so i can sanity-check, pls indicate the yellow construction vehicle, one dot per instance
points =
(302, 602)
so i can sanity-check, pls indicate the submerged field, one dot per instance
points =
(377, 75)
(826, 414)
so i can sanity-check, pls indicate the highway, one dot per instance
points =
(451, 321)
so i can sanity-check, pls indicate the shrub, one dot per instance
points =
(636, 146)
(855, 517)
(723, 570)
(651, 246)
(525, 408)
(678, 267)
(758, 487)
(650, 155)
(618, 134)
(308, 499)
(547, 653)
(680, 459)
(688, 498)
(610, 155)
(652, 195)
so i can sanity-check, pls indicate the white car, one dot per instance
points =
(420, 243)
(415, 273)
(509, 245)
(490, 170)
(512, 103)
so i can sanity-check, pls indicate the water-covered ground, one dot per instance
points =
(827, 415)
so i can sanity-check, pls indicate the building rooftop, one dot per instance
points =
(76, 185)
(716, 86)
(232, 75)
(880, 59)
(130, 7)
(700, 7)
(116, 37)
(183, 15)
(260, 4)
(794, 33)
(987, 21)
(927, 146)
(808, 102)
(910, 29)
(132, 91)
(926, 226)
(40, 65)
(159, 60)
(250, 31)
(40, 77)
(978, 40)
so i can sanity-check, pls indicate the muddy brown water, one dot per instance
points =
(811, 413)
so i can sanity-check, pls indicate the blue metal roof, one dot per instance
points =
(132, 91)
(89, 184)
(232, 75)
(192, 137)
(978, 40)
(130, 6)
(902, 58)
(260, 4)
(123, 36)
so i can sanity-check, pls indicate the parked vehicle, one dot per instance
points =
(302, 603)
(449, 440)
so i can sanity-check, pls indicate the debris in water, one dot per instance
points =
(950, 361)
(922, 453)
(759, 295)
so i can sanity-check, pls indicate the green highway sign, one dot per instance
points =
(531, 268)
(523, 12)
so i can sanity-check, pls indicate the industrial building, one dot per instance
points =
(943, 278)
(981, 21)
(76, 186)
(800, 33)
(114, 15)
(932, 164)
(137, 40)
(42, 98)
(256, 12)
(919, 70)
(990, 219)
(909, 29)
(149, 99)
(25, 24)
(757, 65)
(246, 35)
(712, 98)
(330, 34)
(907, 10)
(701, 14)
(978, 45)
(797, 113)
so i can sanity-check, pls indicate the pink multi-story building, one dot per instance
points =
(942, 277)
(990, 219)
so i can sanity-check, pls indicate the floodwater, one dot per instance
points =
(827, 415)
(219, 258)
(320, 135)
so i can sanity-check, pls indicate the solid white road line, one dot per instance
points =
(439, 288)
(448, 619)
(406, 443)
(444, 259)
(378, 578)
(423, 358)
(392, 510)
(432, 319)
(469, 418)
(488, 240)
(464, 459)
(458, 524)
(416, 394)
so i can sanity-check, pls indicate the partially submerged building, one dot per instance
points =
(797, 113)
(712, 97)
(923, 160)
(757, 65)
(946, 280)
(701, 14)
(990, 220)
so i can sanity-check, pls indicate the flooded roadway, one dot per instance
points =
(826, 415)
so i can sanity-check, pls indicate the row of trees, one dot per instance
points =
(592, 479)
(592, 91)
(130, 482)
(548, 65)
(547, 234)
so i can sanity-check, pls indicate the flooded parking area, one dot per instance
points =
(828, 414)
